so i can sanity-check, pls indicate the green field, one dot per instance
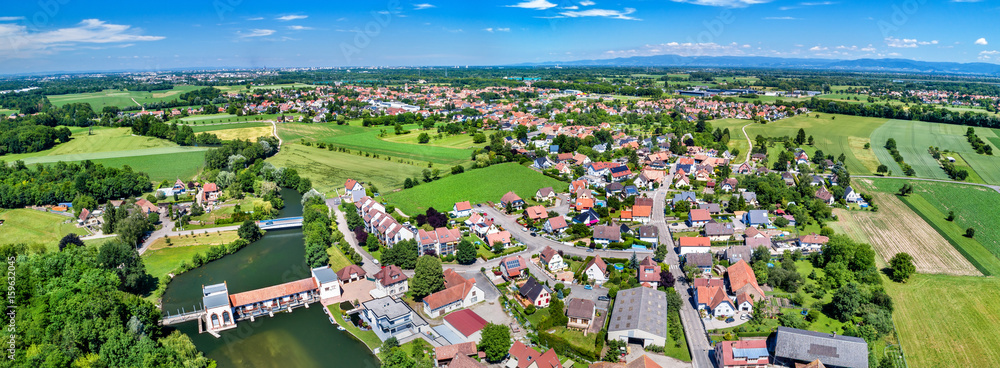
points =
(948, 321)
(459, 141)
(36, 227)
(914, 137)
(160, 259)
(166, 166)
(120, 99)
(5, 112)
(845, 134)
(197, 120)
(478, 186)
(974, 207)
(328, 170)
(356, 137)
(737, 140)
(188, 119)
(102, 140)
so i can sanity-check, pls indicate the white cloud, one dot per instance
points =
(292, 17)
(256, 18)
(682, 49)
(724, 3)
(300, 28)
(818, 48)
(606, 13)
(256, 33)
(870, 48)
(907, 42)
(423, 6)
(10, 19)
(491, 29)
(587, 3)
(18, 41)
(534, 4)
(781, 18)
(982, 41)
(574, 7)
(988, 55)
(966, 1)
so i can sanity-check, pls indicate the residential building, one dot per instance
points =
(684, 196)
(792, 346)
(391, 280)
(734, 254)
(522, 356)
(535, 292)
(389, 317)
(449, 355)
(742, 280)
(512, 267)
(649, 234)
(587, 217)
(701, 261)
(813, 241)
(551, 259)
(694, 244)
(742, 354)
(511, 199)
(714, 301)
(596, 270)
(639, 317)
(536, 213)
(642, 210)
(502, 237)
(581, 313)
(851, 196)
(756, 218)
(606, 234)
(462, 209)
(545, 194)
(353, 190)
(555, 225)
(351, 273)
(442, 241)
(649, 272)
(698, 217)
(458, 293)
(719, 231)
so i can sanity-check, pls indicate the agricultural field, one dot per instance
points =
(250, 133)
(947, 321)
(973, 206)
(120, 99)
(894, 229)
(183, 164)
(459, 141)
(199, 118)
(358, 138)
(844, 134)
(478, 186)
(102, 140)
(914, 137)
(215, 127)
(328, 170)
(36, 227)
(737, 140)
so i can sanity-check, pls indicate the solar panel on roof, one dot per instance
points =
(750, 354)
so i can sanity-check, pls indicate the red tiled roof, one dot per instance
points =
(695, 241)
(389, 275)
(456, 288)
(699, 215)
(525, 356)
(643, 362)
(271, 292)
(211, 187)
(536, 212)
(450, 351)
(708, 282)
(350, 184)
(345, 273)
(727, 352)
(740, 274)
(557, 222)
(466, 321)
(463, 206)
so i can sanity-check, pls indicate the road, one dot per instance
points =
(169, 224)
(749, 142)
(368, 265)
(994, 187)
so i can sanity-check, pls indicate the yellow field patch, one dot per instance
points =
(243, 133)
(866, 156)
(186, 240)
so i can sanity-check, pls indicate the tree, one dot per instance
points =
(905, 190)
(557, 317)
(661, 253)
(428, 278)
(882, 169)
(133, 229)
(83, 201)
(397, 358)
(495, 342)
(970, 233)
(372, 243)
(951, 216)
(633, 262)
(402, 254)
(846, 301)
(811, 141)
(466, 254)
(667, 279)
(125, 261)
(780, 222)
(249, 231)
(423, 138)
(70, 239)
(498, 247)
(800, 138)
(901, 267)
(390, 343)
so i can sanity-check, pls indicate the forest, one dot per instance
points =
(21, 185)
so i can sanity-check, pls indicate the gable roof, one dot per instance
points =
(456, 288)
(643, 362)
(597, 261)
(612, 233)
(698, 259)
(389, 275)
(546, 254)
(510, 197)
(465, 321)
(694, 241)
(640, 308)
(463, 206)
(532, 289)
(345, 273)
(451, 351)
(525, 356)
(834, 350)
(741, 274)
(699, 214)
(580, 308)
(556, 223)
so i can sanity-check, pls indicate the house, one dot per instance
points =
(146, 206)
(600, 168)
(441, 241)
(744, 169)
(596, 270)
(698, 217)
(639, 317)
(714, 301)
(535, 292)
(389, 317)
(542, 163)
(511, 199)
(555, 225)
(742, 354)
(327, 281)
(852, 196)
(614, 189)
(756, 218)
(641, 362)
(742, 280)
(536, 213)
(521, 356)
(813, 241)
(791, 346)
(682, 183)
(684, 196)
(462, 209)
(351, 273)
(702, 261)
(502, 237)
(749, 197)
(734, 254)
(587, 217)
(512, 266)
(816, 180)
(545, 194)
(461, 361)
(729, 185)
(642, 211)
(744, 303)
(450, 355)
(649, 234)
(459, 293)
(620, 173)
(606, 234)
(713, 208)
(466, 324)
(824, 195)
(581, 313)
(576, 185)
(353, 190)
(551, 259)
(694, 244)
(391, 280)
(788, 178)
(719, 231)
(649, 272)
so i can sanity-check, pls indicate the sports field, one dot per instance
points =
(119, 98)
(948, 321)
(36, 227)
(478, 186)
(356, 137)
(328, 170)
(914, 137)
(845, 134)
(974, 207)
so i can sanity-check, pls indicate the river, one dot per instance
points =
(304, 338)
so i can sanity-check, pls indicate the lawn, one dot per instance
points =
(6, 112)
(478, 186)
(161, 258)
(328, 170)
(358, 138)
(737, 140)
(200, 118)
(974, 207)
(36, 227)
(948, 321)
(914, 137)
(844, 135)
(367, 337)
(337, 258)
(119, 98)
(84, 144)
(576, 338)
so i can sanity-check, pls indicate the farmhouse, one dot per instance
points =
(459, 293)
(639, 317)
(536, 293)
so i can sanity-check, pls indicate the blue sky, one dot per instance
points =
(75, 35)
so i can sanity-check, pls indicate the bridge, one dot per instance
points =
(173, 319)
(281, 223)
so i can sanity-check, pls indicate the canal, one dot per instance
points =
(303, 338)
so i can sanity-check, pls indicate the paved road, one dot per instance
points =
(994, 187)
(368, 261)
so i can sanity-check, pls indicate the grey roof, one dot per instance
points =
(739, 252)
(757, 217)
(698, 259)
(649, 231)
(640, 308)
(324, 275)
(719, 228)
(532, 288)
(689, 196)
(748, 196)
(580, 308)
(712, 208)
(791, 344)
(214, 296)
(612, 233)
(388, 307)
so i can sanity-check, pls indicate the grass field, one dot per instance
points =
(200, 118)
(974, 207)
(948, 321)
(120, 99)
(356, 137)
(478, 186)
(36, 227)
(737, 140)
(6, 112)
(459, 141)
(182, 165)
(914, 137)
(102, 140)
(250, 133)
(328, 170)
(845, 134)
(226, 118)
(160, 259)
(212, 128)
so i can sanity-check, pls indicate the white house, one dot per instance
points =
(551, 258)
(459, 293)
(714, 300)
(328, 282)
(462, 209)
(391, 280)
(354, 190)
(690, 244)
(851, 196)
(596, 270)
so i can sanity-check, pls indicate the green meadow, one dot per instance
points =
(834, 134)
(120, 98)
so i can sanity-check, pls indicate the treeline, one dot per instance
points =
(147, 125)
(401, 119)
(73, 310)
(602, 88)
(927, 113)
(61, 182)
(977, 143)
(316, 228)
(241, 153)
(890, 144)
(24, 136)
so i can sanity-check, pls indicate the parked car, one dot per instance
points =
(588, 287)
(603, 298)
(534, 234)
(730, 320)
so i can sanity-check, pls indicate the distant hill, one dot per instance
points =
(884, 65)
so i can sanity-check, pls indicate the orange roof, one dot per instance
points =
(643, 362)
(695, 241)
(271, 292)
(699, 214)
(456, 287)
(536, 212)
(740, 274)
(463, 206)
(642, 211)
(626, 214)
(584, 203)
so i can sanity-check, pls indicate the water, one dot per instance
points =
(303, 338)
